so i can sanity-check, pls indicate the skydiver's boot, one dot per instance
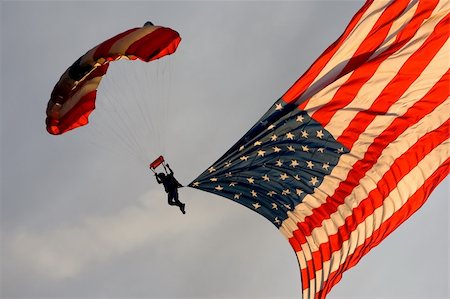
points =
(182, 208)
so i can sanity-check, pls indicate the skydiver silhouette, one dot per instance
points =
(171, 186)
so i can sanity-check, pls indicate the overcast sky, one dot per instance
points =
(82, 218)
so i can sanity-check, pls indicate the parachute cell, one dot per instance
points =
(73, 97)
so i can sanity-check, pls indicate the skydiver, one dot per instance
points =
(171, 186)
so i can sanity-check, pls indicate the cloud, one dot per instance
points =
(66, 252)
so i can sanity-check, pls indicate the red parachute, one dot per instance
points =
(73, 97)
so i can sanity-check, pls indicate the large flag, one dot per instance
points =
(355, 146)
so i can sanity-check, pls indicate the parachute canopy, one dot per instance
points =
(73, 97)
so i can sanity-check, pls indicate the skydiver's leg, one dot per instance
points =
(175, 198)
(170, 199)
(174, 201)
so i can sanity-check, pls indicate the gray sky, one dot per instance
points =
(79, 221)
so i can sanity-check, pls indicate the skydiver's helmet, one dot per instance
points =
(148, 23)
(161, 175)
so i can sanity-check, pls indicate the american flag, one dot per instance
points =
(355, 146)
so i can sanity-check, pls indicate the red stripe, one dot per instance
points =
(401, 167)
(409, 208)
(407, 74)
(161, 42)
(77, 116)
(308, 77)
(103, 49)
(361, 75)
(435, 96)
(154, 45)
(376, 36)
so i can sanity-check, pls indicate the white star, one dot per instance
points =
(256, 205)
(273, 137)
(304, 134)
(251, 180)
(233, 184)
(211, 169)
(271, 193)
(228, 174)
(305, 148)
(219, 188)
(241, 148)
(274, 206)
(290, 136)
(291, 148)
(228, 164)
(237, 196)
(277, 221)
(297, 177)
(257, 143)
(270, 127)
(294, 163)
(276, 149)
(244, 158)
(261, 153)
(314, 180)
(340, 150)
(196, 184)
(320, 150)
(326, 166)
(300, 118)
(283, 176)
(286, 192)
(299, 191)
(266, 178)
(287, 206)
(279, 163)
(213, 179)
(309, 164)
(254, 193)
(278, 107)
(319, 134)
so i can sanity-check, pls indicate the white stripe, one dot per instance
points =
(91, 85)
(340, 172)
(432, 73)
(369, 92)
(398, 25)
(123, 44)
(347, 49)
(88, 58)
(302, 262)
(119, 47)
(396, 199)
(437, 67)
(368, 183)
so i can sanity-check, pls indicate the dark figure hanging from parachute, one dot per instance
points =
(170, 183)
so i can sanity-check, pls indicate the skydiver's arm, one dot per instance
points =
(157, 179)
(171, 171)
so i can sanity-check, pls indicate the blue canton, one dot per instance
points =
(270, 170)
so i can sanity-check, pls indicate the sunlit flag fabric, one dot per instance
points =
(355, 146)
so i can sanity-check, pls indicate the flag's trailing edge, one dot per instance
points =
(355, 146)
